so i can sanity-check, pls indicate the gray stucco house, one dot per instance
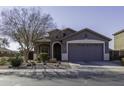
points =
(73, 46)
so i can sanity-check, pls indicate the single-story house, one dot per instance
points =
(70, 45)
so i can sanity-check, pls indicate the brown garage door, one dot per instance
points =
(85, 52)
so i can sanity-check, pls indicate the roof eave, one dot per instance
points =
(119, 32)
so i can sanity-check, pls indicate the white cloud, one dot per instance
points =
(13, 46)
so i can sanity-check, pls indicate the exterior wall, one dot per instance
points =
(55, 35)
(106, 56)
(106, 47)
(119, 41)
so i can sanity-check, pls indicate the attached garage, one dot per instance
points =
(85, 45)
(85, 52)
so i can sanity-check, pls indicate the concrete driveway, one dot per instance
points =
(100, 63)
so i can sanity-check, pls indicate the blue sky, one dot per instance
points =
(105, 20)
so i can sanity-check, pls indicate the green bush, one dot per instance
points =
(43, 57)
(16, 62)
(122, 61)
(3, 61)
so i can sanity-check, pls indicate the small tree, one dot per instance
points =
(43, 57)
(26, 26)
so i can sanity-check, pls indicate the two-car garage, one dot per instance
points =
(78, 52)
(85, 52)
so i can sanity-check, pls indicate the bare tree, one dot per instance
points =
(25, 25)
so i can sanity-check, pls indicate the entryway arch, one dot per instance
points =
(56, 47)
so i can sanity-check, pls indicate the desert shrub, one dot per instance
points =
(122, 61)
(43, 57)
(16, 62)
(3, 61)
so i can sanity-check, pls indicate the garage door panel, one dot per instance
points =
(85, 52)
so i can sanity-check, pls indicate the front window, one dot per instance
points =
(45, 50)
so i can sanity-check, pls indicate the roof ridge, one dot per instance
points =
(69, 29)
(54, 30)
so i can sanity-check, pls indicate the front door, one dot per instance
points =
(57, 51)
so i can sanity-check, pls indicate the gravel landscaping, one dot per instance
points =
(87, 74)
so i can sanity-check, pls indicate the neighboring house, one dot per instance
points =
(73, 46)
(119, 42)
